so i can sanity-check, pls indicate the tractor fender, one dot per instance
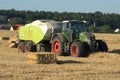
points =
(61, 36)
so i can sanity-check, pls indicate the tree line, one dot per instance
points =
(108, 21)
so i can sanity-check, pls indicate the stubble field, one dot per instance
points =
(98, 66)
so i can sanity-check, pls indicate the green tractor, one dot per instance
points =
(76, 40)
(70, 37)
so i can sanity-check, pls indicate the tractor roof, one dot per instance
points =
(75, 21)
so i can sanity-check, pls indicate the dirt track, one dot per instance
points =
(98, 66)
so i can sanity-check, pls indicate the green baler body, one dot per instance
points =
(38, 31)
(32, 33)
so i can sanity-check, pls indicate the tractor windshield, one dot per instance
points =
(79, 27)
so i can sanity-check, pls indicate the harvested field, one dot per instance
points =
(112, 40)
(98, 66)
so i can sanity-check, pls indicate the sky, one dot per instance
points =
(83, 6)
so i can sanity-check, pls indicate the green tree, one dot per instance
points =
(105, 29)
(101, 19)
(92, 28)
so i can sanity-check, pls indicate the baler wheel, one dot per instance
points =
(21, 47)
(28, 47)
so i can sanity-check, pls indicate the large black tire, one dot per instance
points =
(57, 46)
(28, 47)
(21, 46)
(78, 49)
(87, 48)
(102, 46)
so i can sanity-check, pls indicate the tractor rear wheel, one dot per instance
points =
(78, 49)
(28, 47)
(102, 46)
(21, 47)
(57, 47)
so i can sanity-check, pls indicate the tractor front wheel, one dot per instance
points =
(102, 46)
(78, 49)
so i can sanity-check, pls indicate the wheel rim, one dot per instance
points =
(56, 47)
(20, 48)
(74, 50)
(26, 49)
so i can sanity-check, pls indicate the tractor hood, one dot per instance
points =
(87, 37)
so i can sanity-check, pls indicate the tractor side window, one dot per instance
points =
(65, 26)
(84, 28)
(79, 27)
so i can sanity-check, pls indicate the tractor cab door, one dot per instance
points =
(67, 31)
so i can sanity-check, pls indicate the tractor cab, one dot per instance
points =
(75, 25)
(73, 28)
